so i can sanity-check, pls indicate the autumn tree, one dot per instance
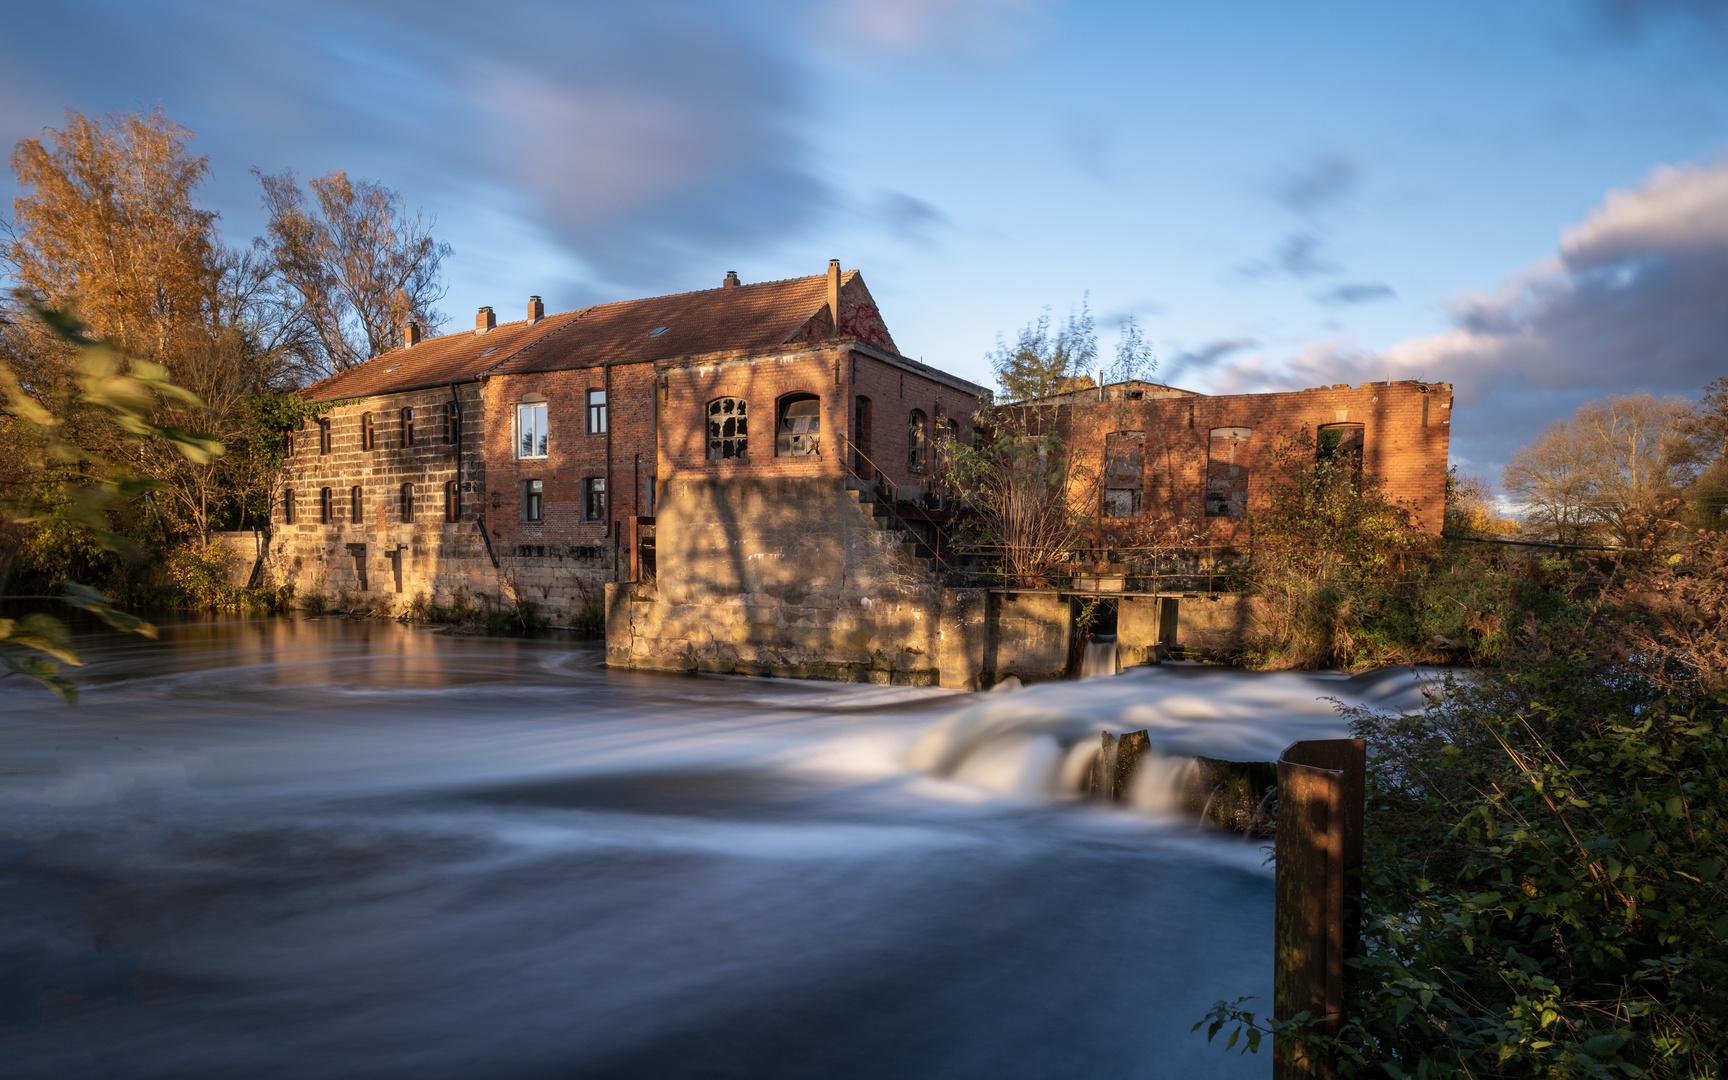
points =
(353, 265)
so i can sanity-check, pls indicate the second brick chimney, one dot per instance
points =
(536, 310)
(411, 335)
(485, 320)
(731, 281)
(834, 294)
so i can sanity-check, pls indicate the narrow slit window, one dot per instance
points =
(408, 427)
(798, 430)
(368, 434)
(452, 501)
(408, 503)
(288, 507)
(917, 440)
(453, 423)
(323, 436)
(533, 491)
(355, 514)
(861, 424)
(326, 507)
(728, 429)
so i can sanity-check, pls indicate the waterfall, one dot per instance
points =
(1099, 657)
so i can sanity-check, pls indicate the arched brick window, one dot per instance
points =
(408, 427)
(728, 429)
(368, 434)
(917, 440)
(326, 507)
(408, 503)
(354, 508)
(797, 427)
(452, 501)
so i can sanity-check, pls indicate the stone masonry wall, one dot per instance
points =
(357, 560)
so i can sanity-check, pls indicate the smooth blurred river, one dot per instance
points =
(326, 848)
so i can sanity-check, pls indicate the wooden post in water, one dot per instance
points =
(1320, 807)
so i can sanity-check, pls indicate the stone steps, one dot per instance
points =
(882, 517)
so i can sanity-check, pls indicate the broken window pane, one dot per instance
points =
(728, 431)
(1124, 473)
(799, 427)
(1227, 472)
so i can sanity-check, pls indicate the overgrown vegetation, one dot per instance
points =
(1543, 887)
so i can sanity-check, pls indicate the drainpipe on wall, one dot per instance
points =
(606, 388)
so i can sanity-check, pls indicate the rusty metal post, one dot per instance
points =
(1320, 807)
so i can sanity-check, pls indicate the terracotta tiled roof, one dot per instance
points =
(712, 320)
(686, 324)
(456, 357)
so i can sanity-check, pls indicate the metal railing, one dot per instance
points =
(881, 480)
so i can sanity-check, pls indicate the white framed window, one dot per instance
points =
(531, 431)
(596, 412)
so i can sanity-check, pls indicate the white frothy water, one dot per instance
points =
(1038, 742)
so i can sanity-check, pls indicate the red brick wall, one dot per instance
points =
(1409, 456)
(573, 455)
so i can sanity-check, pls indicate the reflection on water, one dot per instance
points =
(321, 848)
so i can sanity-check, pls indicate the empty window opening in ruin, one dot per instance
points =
(324, 436)
(288, 442)
(798, 426)
(532, 494)
(531, 437)
(288, 507)
(452, 501)
(728, 429)
(452, 423)
(594, 499)
(326, 507)
(917, 439)
(408, 427)
(368, 434)
(354, 506)
(596, 412)
(1341, 446)
(1227, 472)
(1124, 473)
(407, 503)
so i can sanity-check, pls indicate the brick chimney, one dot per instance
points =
(731, 281)
(536, 310)
(834, 294)
(485, 320)
(411, 335)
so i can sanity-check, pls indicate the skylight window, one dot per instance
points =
(391, 368)
(657, 331)
(489, 352)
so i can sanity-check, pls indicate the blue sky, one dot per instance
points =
(1528, 200)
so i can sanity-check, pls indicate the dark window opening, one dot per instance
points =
(288, 441)
(1227, 473)
(917, 440)
(861, 425)
(408, 427)
(452, 423)
(596, 412)
(1124, 473)
(368, 434)
(323, 436)
(326, 507)
(728, 429)
(354, 507)
(452, 501)
(594, 499)
(531, 499)
(288, 507)
(408, 503)
(1341, 444)
(798, 428)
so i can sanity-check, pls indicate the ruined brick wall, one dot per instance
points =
(359, 561)
(1404, 426)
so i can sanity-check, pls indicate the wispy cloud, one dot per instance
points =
(1323, 183)
(1632, 299)
(1356, 293)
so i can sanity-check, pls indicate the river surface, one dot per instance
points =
(325, 848)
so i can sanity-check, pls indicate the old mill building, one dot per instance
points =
(740, 477)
